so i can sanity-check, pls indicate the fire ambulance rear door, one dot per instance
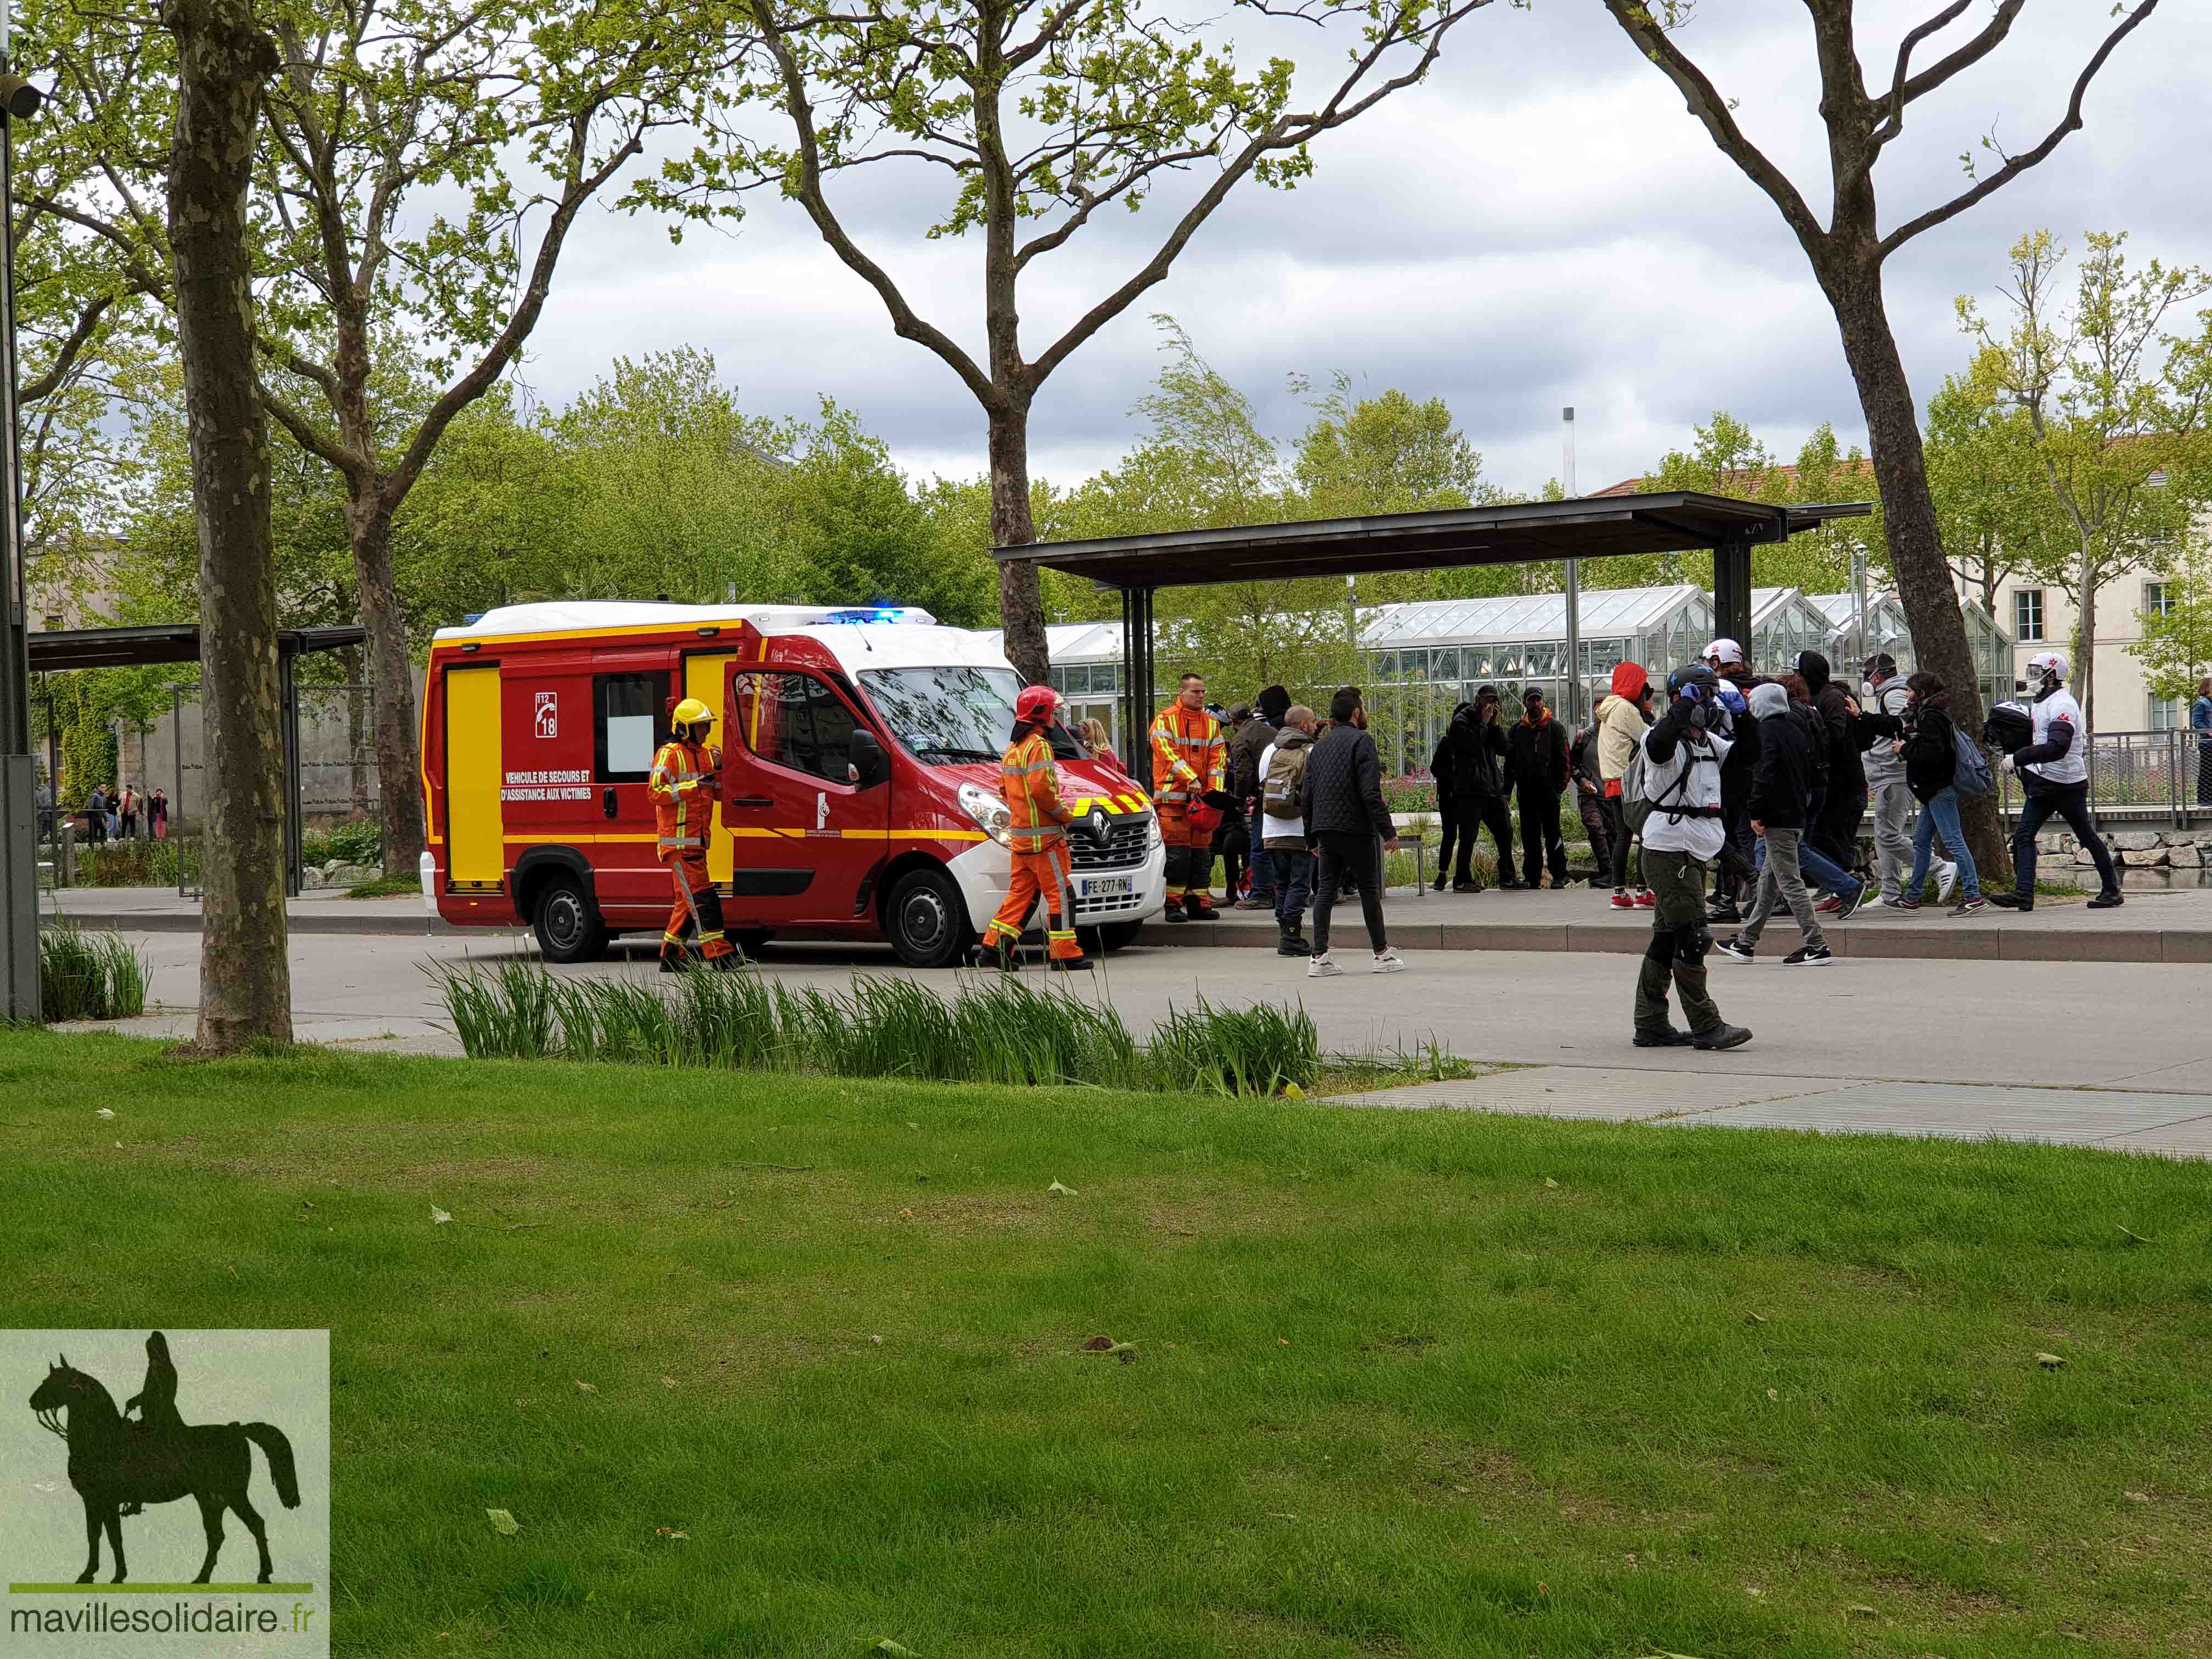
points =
(807, 841)
(705, 675)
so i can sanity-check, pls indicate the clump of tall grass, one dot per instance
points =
(89, 976)
(999, 1030)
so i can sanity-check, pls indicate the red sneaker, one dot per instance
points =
(1622, 901)
(1828, 907)
(1647, 900)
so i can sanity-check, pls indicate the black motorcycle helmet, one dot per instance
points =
(1690, 674)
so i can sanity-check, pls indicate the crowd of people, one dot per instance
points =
(1759, 782)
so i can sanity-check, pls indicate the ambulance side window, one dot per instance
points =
(626, 727)
(795, 721)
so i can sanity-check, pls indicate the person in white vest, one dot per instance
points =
(2054, 775)
(1682, 841)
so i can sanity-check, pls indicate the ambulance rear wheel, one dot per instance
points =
(568, 924)
(927, 920)
(1109, 936)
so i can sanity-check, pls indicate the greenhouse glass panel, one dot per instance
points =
(1447, 665)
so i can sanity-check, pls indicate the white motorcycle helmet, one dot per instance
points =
(2045, 665)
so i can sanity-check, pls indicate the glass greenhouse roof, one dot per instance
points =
(1524, 616)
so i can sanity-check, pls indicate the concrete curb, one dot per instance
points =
(2023, 942)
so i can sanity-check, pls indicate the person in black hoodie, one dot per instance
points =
(1781, 793)
(1479, 750)
(1850, 731)
(1737, 876)
(1440, 774)
(1538, 748)
(1350, 822)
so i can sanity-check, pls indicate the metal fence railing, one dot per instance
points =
(2137, 777)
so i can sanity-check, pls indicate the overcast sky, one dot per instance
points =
(1539, 223)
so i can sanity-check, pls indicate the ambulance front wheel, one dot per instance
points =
(568, 925)
(927, 920)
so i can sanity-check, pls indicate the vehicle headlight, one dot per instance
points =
(989, 812)
(1152, 837)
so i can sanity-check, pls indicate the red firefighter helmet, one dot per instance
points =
(1035, 703)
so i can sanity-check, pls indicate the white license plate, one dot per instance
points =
(1107, 886)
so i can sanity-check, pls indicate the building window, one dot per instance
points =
(2028, 614)
(2158, 599)
(2164, 714)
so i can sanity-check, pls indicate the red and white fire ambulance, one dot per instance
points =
(859, 784)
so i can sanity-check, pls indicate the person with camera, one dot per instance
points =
(1683, 753)
(2054, 773)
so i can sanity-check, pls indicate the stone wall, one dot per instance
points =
(2134, 849)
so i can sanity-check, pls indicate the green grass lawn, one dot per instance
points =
(1713, 1393)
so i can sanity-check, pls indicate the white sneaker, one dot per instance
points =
(1321, 967)
(1946, 877)
(1875, 903)
(1389, 962)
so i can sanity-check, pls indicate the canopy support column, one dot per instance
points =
(1732, 594)
(1137, 688)
(287, 693)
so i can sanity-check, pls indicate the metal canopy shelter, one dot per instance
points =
(1589, 527)
(135, 647)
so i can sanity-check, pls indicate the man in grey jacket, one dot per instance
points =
(1893, 805)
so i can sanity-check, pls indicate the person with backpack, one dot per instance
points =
(1253, 737)
(1850, 731)
(1781, 795)
(1590, 800)
(1673, 790)
(2054, 770)
(1889, 693)
(1349, 822)
(1281, 817)
(1538, 763)
(1479, 750)
(1933, 751)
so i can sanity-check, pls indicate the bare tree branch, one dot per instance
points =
(2017, 165)
(65, 357)
(1706, 103)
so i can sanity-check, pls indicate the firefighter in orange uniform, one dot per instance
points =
(1189, 755)
(685, 780)
(1038, 832)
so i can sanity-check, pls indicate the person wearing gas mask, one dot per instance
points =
(2054, 773)
(1683, 753)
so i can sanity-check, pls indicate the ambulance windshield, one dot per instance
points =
(947, 715)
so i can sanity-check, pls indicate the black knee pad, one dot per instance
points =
(709, 902)
(1691, 940)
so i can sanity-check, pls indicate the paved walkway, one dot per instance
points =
(2157, 924)
(2126, 1121)
(1907, 1047)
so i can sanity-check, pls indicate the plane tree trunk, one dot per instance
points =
(223, 61)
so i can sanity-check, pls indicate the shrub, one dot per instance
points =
(89, 976)
(999, 1030)
(127, 864)
(361, 841)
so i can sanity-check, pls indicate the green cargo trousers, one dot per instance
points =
(1680, 940)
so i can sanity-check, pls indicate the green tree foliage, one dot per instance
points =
(2115, 409)
(2175, 648)
(1995, 513)
(1034, 116)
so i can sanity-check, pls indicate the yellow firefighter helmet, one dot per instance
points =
(691, 713)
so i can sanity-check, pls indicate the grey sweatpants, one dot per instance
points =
(1894, 807)
(1780, 883)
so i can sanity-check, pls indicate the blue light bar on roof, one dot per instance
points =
(868, 614)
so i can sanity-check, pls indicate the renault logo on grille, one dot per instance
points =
(1098, 823)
